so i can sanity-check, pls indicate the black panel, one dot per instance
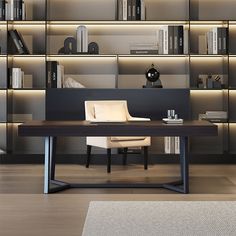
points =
(68, 104)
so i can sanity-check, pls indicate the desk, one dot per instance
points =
(52, 129)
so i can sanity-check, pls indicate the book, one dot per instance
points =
(60, 75)
(51, 78)
(143, 10)
(2, 10)
(224, 38)
(125, 9)
(129, 9)
(177, 145)
(160, 42)
(166, 41)
(178, 40)
(17, 78)
(143, 51)
(18, 42)
(133, 9)
(138, 10)
(169, 145)
(54, 71)
(120, 9)
(186, 43)
(210, 42)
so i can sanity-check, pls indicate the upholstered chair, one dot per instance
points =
(113, 111)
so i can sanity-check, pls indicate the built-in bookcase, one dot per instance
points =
(49, 22)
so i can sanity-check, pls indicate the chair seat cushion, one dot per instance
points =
(110, 112)
(123, 138)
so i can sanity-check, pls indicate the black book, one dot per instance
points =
(2, 10)
(138, 9)
(178, 39)
(19, 42)
(133, 9)
(129, 9)
(170, 40)
(224, 39)
(18, 9)
(51, 74)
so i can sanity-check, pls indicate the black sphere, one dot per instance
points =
(152, 75)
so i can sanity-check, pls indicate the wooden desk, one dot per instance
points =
(52, 129)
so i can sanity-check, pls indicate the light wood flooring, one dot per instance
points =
(25, 211)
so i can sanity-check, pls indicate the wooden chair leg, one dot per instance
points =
(145, 157)
(125, 156)
(108, 160)
(89, 149)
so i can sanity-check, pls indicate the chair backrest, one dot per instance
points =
(90, 107)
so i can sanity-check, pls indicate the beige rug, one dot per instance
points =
(142, 218)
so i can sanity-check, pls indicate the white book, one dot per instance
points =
(23, 11)
(167, 145)
(210, 42)
(165, 39)
(16, 78)
(177, 147)
(11, 9)
(125, 9)
(160, 42)
(186, 45)
(143, 10)
(215, 40)
(60, 75)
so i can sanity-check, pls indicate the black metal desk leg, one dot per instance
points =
(184, 162)
(47, 164)
(53, 144)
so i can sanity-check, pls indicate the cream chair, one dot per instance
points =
(113, 111)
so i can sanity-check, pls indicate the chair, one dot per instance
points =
(113, 111)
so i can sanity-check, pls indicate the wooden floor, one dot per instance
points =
(25, 211)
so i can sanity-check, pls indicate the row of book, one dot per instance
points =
(171, 145)
(18, 79)
(131, 10)
(12, 10)
(173, 40)
(55, 74)
(217, 40)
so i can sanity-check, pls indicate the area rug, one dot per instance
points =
(149, 218)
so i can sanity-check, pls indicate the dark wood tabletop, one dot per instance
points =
(144, 128)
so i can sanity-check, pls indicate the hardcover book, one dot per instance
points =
(2, 10)
(18, 42)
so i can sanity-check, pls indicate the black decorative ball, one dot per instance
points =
(152, 74)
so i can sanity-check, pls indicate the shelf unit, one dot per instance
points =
(49, 22)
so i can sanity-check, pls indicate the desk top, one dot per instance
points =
(144, 128)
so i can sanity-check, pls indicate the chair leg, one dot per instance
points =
(125, 156)
(108, 160)
(89, 149)
(145, 157)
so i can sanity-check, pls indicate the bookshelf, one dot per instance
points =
(49, 22)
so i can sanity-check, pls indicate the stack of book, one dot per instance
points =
(131, 10)
(144, 49)
(171, 145)
(19, 42)
(12, 10)
(217, 40)
(214, 116)
(16, 78)
(173, 40)
(55, 74)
